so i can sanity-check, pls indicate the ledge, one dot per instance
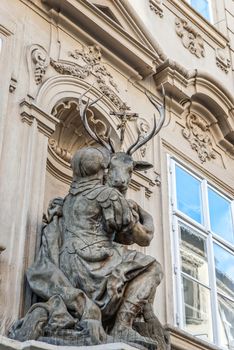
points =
(9, 344)
(182, 340)
(142, 57)
(45, 122)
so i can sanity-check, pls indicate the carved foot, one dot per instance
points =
(128, 335)
(31, 327)
(154, 330)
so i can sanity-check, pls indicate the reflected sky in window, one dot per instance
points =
(220, 216)
(224, 269)
(188, 190)
(202, 6)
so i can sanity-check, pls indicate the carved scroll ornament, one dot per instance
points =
(222, 61)
(197, 133)
(41, 61)
(190, 38)
(89, 63)
(143, 130)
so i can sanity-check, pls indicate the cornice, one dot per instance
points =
(180, 155)
(198, 21)
(45, 122)
(143, 57)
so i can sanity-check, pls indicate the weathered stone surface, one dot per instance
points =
(91, 287)
(9, 344)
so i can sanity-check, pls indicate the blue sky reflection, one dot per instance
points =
(188, 194)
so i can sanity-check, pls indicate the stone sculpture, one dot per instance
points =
(91, 287)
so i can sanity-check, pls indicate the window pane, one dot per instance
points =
(224, 269)
(220, 216)
(201, 6)
(193, 254)
(197, 310)
(226, 322)
(188, 190)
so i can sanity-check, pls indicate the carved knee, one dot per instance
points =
(157, 272)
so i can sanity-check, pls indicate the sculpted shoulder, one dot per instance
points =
(104, 195)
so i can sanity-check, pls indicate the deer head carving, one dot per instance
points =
(122, 164)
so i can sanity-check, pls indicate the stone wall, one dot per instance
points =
(50, 56)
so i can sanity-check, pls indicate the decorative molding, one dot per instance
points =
(211, 33)
(13, 84)
(90, 63)
(133, 42)
(156, 6)
(45, 122)
(2, 248)
(197, 133)
(190, 38)
(143, 128)
(222, 61)
(41, 61)
(181, 84)
(70, 134)
(61, 152)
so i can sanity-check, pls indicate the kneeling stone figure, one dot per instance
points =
(91, 288)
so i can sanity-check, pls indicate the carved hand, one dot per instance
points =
(143, 230)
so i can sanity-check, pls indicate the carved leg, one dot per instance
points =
(139, 293)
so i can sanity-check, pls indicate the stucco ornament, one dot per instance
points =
(93, 289)
(89, 62)
(222, 61)
(189, 37)
(41, 61)
(156, 6)
(143, 130)
(70, 134)
(197, 133)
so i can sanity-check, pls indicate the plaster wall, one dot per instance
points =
(26, 123)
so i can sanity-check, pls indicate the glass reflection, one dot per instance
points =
(193, 253)
(197, 310)
(224, 269)
(220, 216)
(188, 190)
(226, 322)
(202, 6)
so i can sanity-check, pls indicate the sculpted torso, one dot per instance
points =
(92, 286)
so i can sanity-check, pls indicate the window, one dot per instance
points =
(203, 230)
(203, 7)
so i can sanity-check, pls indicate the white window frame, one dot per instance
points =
(203, 229)
(211, 20)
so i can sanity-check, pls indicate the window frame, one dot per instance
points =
(203, 229)
(211, 20)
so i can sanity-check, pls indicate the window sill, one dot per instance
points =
(207, 28)
(182, 340)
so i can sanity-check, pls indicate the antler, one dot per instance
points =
(93, 134)
(156, 127)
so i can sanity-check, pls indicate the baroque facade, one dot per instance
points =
(50, 53)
